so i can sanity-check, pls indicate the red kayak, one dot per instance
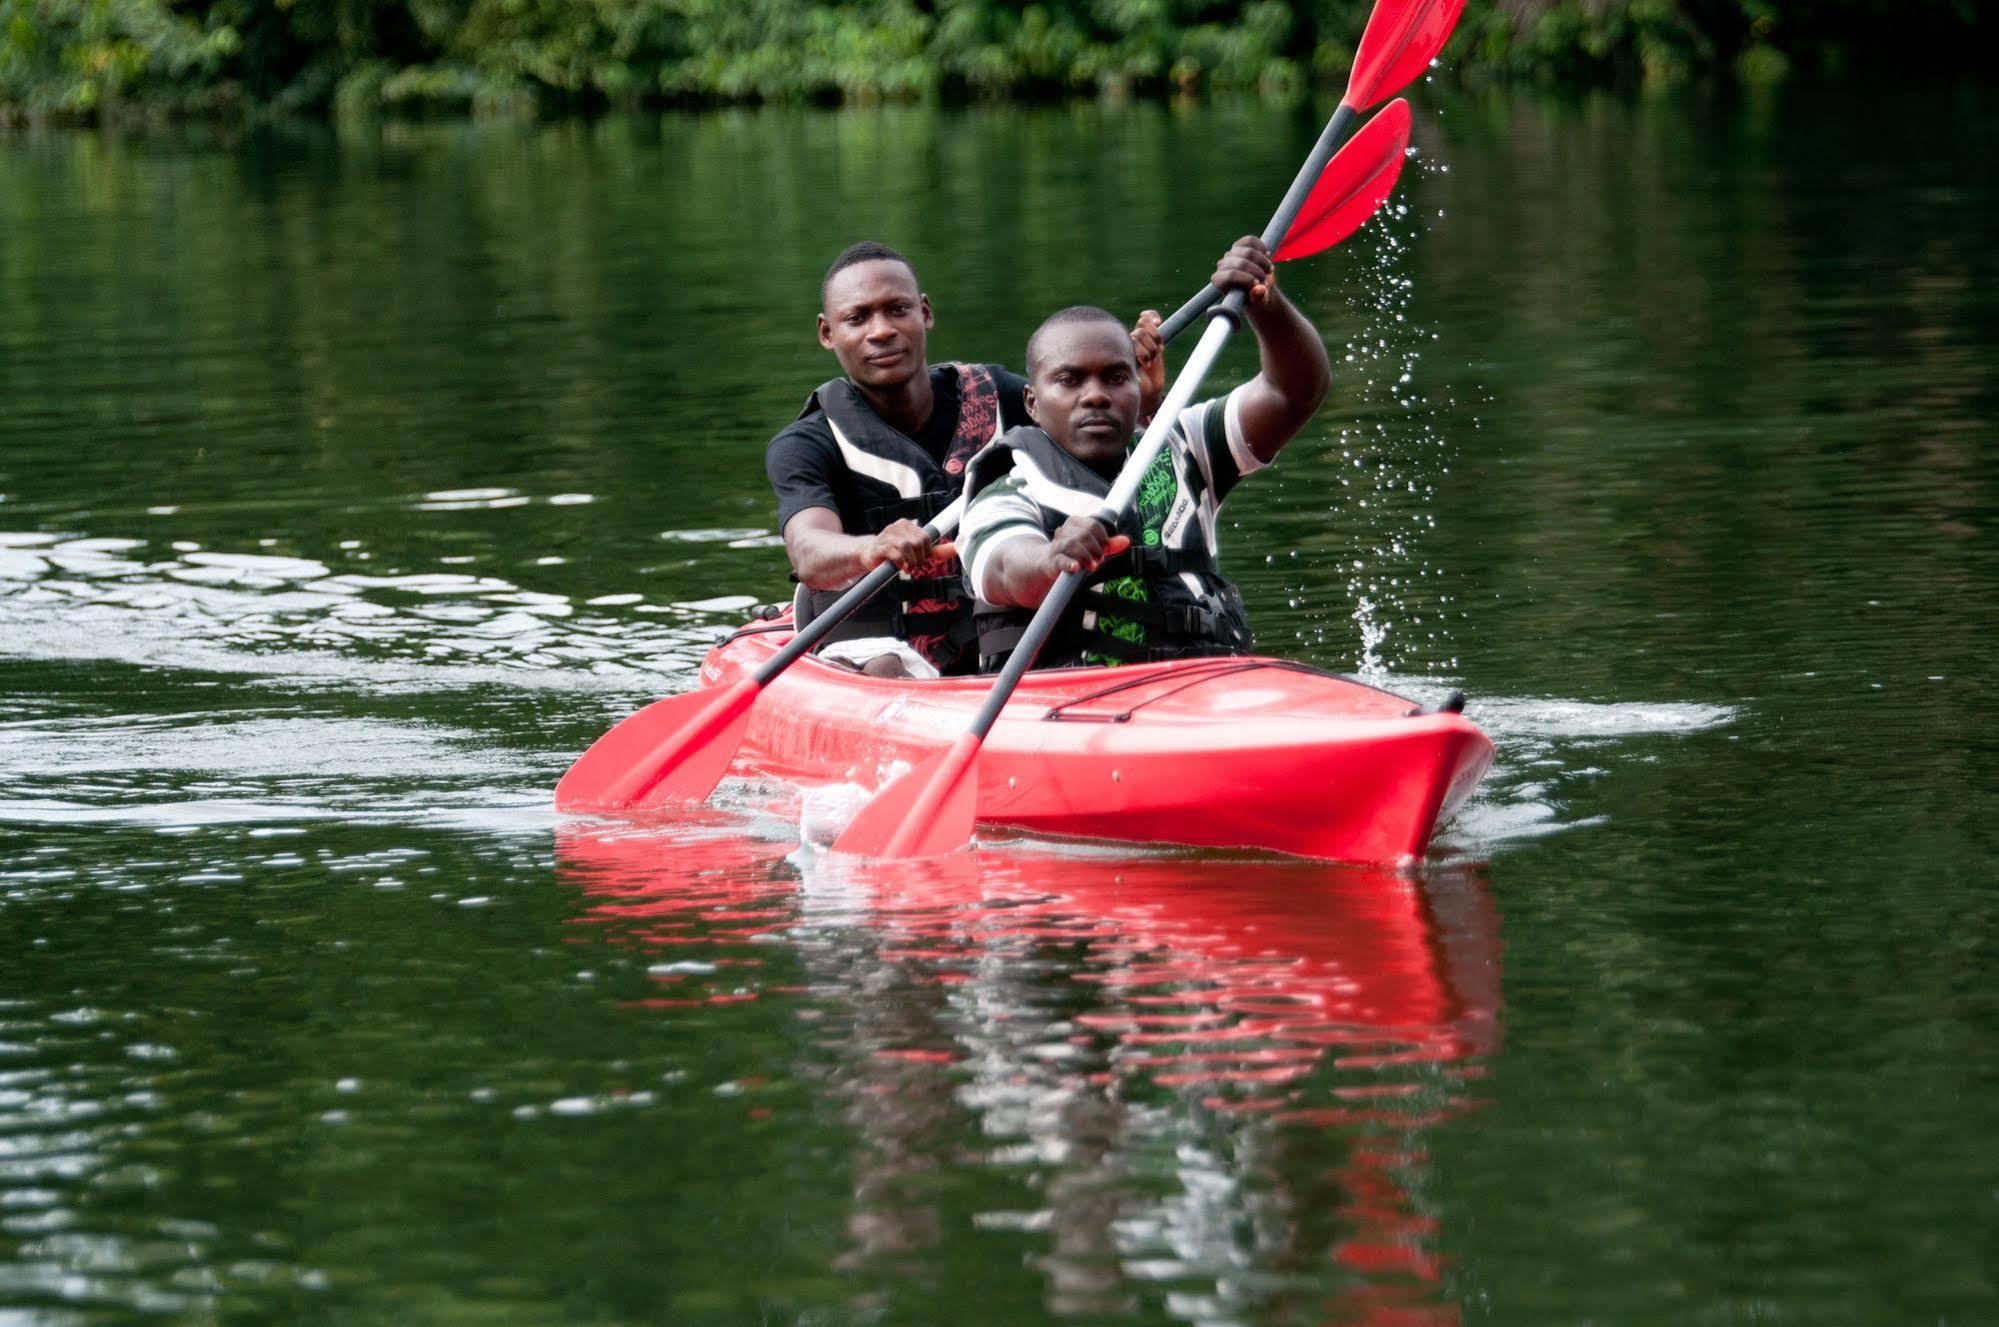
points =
(1234, 752)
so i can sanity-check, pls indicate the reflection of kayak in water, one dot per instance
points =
(1242, 972)
(1165, 1040)
(1233, 752)
(1227, 956)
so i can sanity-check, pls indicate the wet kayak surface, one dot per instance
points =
(350, 485)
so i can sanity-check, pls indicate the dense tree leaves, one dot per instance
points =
(82, 59)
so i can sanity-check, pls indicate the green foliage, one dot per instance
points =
(779, 49)
(1586, 41)
(83, 59)
(80, 58)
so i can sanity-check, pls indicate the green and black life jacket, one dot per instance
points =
(1156, 601)
(898, 480)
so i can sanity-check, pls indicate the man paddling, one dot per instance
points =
(1156, 590)
(881, 450)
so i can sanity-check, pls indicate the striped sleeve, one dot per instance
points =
(1001, 513)
(1211, 432)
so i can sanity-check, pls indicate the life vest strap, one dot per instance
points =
(1173, 620)
(1170, 631)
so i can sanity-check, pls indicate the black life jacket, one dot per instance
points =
(1187, 609)
(898, 480)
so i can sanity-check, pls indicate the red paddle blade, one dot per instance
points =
(673, 750)
(1402, 37)
(926, 813)
(1355, 182)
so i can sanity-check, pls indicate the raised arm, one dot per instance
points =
(1295, 371)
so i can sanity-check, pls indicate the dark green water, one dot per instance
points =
(350, 485)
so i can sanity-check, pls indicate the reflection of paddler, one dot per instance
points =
(1309, 998)
(1058, 1006)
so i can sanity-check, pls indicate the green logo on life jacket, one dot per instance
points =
(1155, 500)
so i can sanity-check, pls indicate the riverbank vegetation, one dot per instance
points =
(85, 60)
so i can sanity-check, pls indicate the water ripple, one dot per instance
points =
(239, 612)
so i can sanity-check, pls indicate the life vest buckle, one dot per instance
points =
(1196, 620)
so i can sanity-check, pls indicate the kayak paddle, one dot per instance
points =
(1402, 37)
(930, 810)
(1359, 180)
(678, 749)
(1355, 182)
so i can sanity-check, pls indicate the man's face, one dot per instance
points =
(1085, 392)
(877, 323)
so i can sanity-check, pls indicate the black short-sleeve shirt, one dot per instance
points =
(806, 469)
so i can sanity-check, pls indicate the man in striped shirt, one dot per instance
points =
(1155, 589)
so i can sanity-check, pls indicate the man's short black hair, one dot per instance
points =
(1075, 313)
(867, 251)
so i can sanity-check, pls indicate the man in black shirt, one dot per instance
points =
(882, 449)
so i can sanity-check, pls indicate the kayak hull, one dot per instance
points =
(1228, 753)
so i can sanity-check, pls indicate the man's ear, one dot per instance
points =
(929, 321)
(1027, 399)
(825, 333)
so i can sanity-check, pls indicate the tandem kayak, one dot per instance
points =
(1243, 752)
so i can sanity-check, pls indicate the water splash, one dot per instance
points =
(1373, 631)
(1391, 453)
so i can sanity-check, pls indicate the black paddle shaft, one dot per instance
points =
(1287, 212)
(1031, 641)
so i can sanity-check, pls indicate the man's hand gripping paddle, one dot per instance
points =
(931, 809)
